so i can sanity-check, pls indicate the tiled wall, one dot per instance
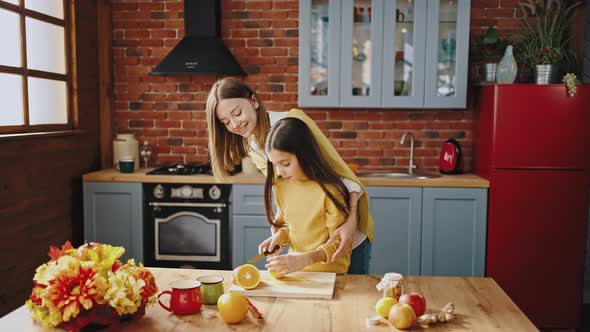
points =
(263, 36)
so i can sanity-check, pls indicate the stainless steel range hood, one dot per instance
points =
(201, 51)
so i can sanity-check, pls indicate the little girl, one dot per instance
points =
(311, 200)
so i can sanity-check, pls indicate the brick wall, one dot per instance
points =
(263, 36)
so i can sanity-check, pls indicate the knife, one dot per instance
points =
(264, 253)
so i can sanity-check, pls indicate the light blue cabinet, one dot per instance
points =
(249, 232)
(418, 231)
(113, 214)
(397, 212)
(249, 225)
(383, 53)
(454, 232)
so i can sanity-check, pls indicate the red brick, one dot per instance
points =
(286, 4)
(280, 24)
(174, 6)
(509, 22)
(259, 5)
(485, 3)
(233, 5)
(149, 6)
(183, 150)
(167, 124)
(500, 12)
(509, 3)
(163, 34)
(168, 87)
(179, 115)
(244, 33)
(182, 133)
(478, 12)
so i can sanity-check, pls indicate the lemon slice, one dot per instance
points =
(246, 276)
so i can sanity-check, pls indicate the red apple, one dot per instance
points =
(416, 301)
(402, 316)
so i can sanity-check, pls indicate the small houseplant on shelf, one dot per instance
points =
(488, 48)
(544, 46)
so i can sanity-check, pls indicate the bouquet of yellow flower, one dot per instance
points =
(89, 286)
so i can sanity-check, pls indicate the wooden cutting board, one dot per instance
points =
(302, 285)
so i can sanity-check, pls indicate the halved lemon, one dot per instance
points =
(246, 276)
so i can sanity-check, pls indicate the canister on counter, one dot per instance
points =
(391, 285)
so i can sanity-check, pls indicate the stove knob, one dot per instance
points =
(159, 191)
(215, 192)
(186, 192)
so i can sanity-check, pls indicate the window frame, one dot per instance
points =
(25, 73)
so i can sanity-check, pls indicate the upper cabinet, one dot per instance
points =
(383, 53)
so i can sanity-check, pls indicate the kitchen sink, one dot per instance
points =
(398, 175)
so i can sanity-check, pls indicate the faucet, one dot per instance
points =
(411, 165)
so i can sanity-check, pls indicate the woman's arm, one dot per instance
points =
(347, 230)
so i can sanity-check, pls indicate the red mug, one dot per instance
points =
(185, 297)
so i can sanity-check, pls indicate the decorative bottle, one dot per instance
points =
(507, 68)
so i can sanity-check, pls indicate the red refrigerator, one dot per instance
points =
(532, 144)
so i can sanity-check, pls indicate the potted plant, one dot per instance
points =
(488, 48)
(546, 35)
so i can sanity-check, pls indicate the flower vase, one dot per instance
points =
(546, 74)
(507, 68)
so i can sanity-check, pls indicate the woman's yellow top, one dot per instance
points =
(335, 161)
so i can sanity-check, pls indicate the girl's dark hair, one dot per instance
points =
(294, 136)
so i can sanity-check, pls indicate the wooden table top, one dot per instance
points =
(480, 305)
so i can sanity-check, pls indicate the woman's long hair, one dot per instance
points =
(294, 136)
(227, 150)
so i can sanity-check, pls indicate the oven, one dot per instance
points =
(187, 225)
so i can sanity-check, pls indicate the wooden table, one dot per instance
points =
(480, 305)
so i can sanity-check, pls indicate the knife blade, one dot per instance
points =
(263, 254)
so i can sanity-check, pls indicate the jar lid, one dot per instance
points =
(373, 320)
(207, 313)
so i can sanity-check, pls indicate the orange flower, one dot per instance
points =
(150, 288)
(72, 288)
(55, 252)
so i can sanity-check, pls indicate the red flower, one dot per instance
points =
(72, 289)
(116, 265)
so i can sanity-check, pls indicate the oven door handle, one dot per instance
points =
(188, 204)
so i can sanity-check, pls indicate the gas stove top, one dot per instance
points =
(183, 169)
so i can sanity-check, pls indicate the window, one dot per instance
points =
(35, 66)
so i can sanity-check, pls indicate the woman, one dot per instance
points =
(238, 123)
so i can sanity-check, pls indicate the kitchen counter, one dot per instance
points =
(480, 305)
(112, 175)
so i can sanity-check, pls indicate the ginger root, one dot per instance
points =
(443, 316)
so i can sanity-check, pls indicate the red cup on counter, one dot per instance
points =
(185, 297)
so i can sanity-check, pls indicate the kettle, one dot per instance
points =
(450, 159)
